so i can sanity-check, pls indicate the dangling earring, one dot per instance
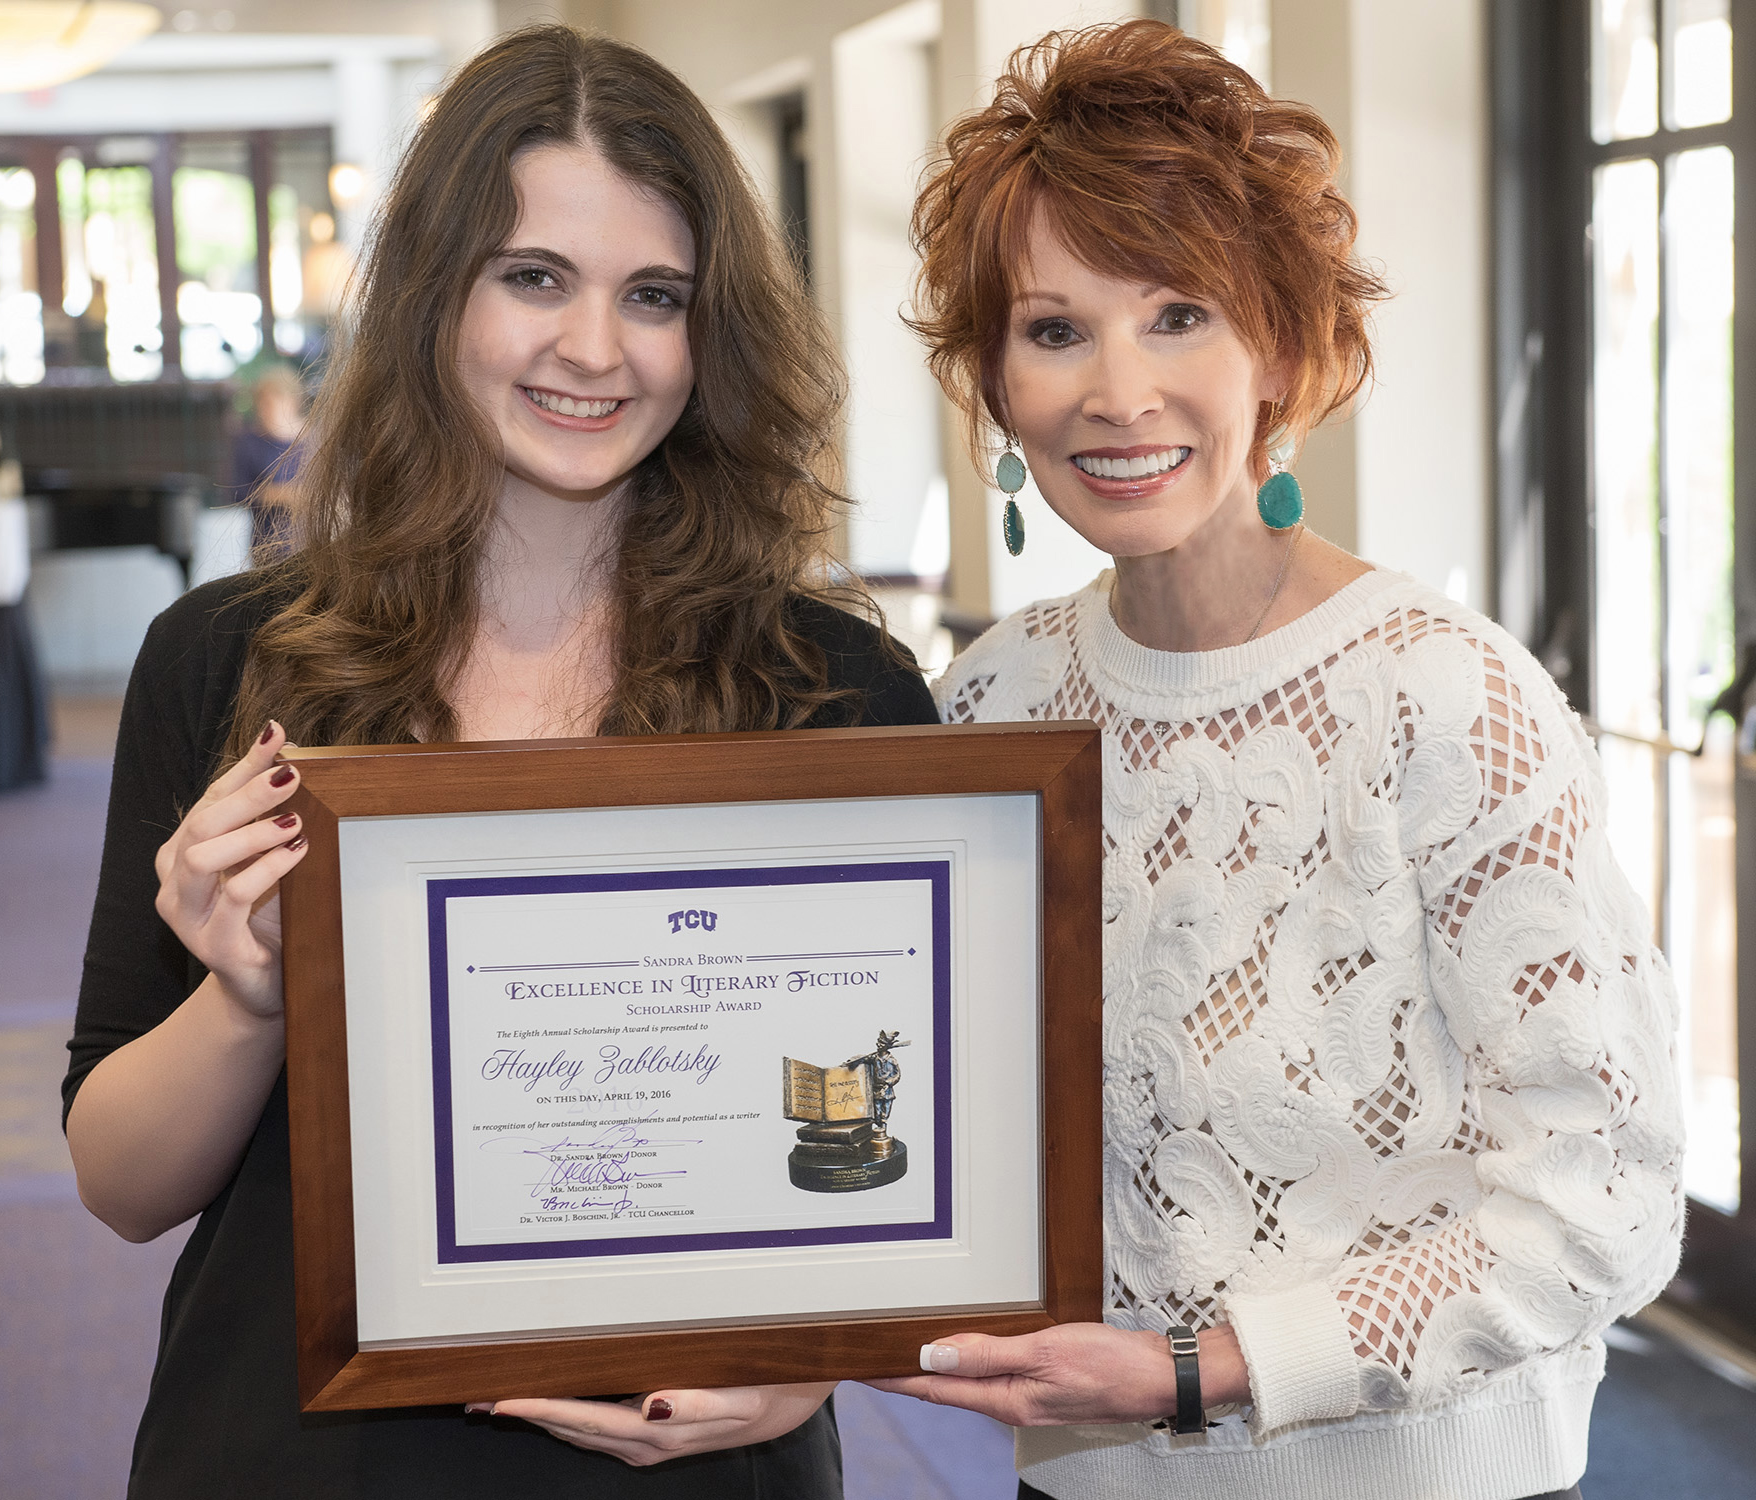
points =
(1009, 475)
(1280, 502)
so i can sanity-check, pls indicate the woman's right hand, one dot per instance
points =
(219, 875)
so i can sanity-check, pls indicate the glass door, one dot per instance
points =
(1660, 414)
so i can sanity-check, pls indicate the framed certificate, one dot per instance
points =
(690, 1060)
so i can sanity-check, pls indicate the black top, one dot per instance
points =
(222, 1417)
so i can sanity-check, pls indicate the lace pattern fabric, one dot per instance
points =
(1385, 1031)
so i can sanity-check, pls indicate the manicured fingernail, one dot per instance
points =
(481, 1406)
(267, 734)
(940, 1358)
(287, 820)
(295, 845)
(658, 1410)
(281, 777)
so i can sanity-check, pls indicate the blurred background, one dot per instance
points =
(1551, 187)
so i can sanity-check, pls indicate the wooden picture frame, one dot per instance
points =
(1057, 764)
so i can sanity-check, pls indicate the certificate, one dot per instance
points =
(613, 1062)
(701, 1060)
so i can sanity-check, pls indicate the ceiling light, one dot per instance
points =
(46, 42)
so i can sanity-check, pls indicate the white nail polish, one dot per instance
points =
(941, 1359)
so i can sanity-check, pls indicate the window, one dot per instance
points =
(1621, 161)
(188, 255)
(1660, 404)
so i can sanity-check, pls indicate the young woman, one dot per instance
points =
(1390, 1113)
(564, 482)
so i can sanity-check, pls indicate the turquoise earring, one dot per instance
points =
(1280, 502)
(1009, 475)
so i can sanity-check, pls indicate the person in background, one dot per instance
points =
(265, 460)
(566, 480)
(1392, 1130)
(24, 701)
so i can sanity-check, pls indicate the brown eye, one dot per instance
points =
(530, 278)
(1053, 333)
(1181, 317)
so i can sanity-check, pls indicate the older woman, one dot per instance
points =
(1389, 1105)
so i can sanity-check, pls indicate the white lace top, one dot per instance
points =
(1388, 1051)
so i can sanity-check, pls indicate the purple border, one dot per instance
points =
(936, 872)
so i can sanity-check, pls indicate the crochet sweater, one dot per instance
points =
(1387, 1048)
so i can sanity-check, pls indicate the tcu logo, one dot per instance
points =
(705, 920)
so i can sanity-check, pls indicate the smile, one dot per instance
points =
(1139, 466)
(571, 406)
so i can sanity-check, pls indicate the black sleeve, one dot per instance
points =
(174, 722)
(879, 668)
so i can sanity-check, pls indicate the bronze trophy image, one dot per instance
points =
(844, 1146)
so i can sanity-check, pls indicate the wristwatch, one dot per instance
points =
(1185, 1355)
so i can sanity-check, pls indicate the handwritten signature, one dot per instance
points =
(601, 1166)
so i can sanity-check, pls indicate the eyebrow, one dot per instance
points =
(1056, 297)
(661, 273)
(535, 252)
(559, 262)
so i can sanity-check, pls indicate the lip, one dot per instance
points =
(1139, 450)
(1133, 488)
(572, 424)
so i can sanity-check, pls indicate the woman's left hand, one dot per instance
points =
(1074, 1372)
(670, 1424)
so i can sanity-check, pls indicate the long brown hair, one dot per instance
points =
(728, 520)
(1154, 158)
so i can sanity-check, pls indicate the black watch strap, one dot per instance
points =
(1185, 1355)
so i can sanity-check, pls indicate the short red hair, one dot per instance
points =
(1155, 159)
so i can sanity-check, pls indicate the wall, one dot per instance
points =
(884, 70)
(1421, 188)
(985, 581)
(1406, 483)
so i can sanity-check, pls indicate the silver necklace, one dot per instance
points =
(1285, 563)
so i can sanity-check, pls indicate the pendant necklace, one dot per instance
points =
(1285, 563)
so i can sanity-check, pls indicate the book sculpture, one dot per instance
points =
(844, 1146)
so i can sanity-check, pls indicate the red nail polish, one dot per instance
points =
(281, 777)
(295, 845)
(267, 734)
(658, 1410)
(286, 820)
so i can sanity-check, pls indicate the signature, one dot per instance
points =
(589, 1176)
(601, 1166)
(616, 1206)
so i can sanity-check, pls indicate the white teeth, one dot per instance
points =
(1132, 468)
(567, 406)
